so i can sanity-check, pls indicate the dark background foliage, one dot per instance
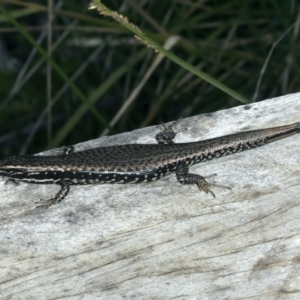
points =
(230, 40)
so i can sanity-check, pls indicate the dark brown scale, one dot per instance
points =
(135, 163)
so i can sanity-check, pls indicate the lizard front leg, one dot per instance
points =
(64, 186)
(62, 193)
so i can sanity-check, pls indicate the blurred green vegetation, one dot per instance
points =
(228, 40)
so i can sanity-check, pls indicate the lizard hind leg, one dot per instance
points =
(184, 177)
(167, 134)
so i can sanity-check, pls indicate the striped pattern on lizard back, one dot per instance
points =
(135, 163)
(131, 163)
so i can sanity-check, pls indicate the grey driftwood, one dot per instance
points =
(163, 240)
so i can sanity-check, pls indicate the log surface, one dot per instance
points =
(162, 240)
